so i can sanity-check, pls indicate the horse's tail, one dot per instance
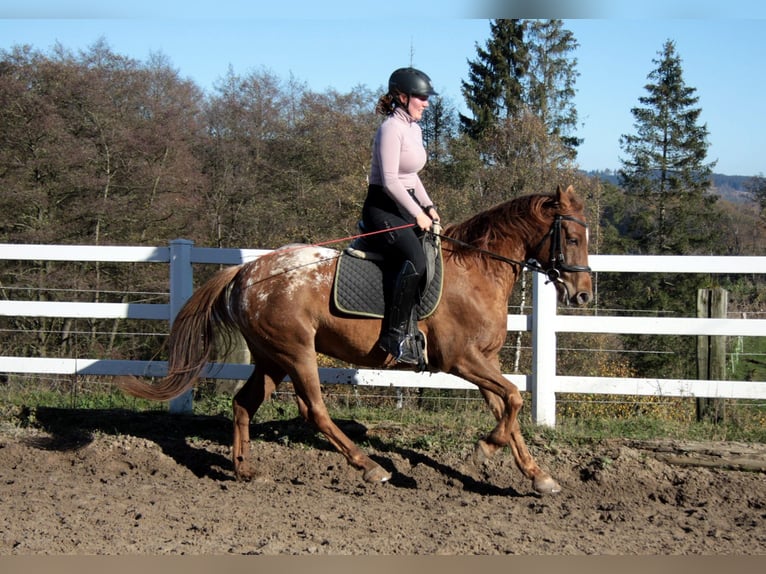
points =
(191, 339)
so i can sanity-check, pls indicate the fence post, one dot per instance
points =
(181, 287)
(711, 352)
(543, 351)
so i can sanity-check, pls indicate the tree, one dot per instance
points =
(439, 127)
(664, 172)
(494, 89)
(96, 148)
(519, 92)
(324, 164)
(550, 79)
(244, 118)
(756, 189)
(667, 210)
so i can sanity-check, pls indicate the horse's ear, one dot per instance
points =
(563, 198)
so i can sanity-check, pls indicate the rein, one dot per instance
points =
(557, 260)
(531, 264)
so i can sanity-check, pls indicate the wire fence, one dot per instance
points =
(577, 354)
(19, 393)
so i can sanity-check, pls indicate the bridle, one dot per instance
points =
(557, 259)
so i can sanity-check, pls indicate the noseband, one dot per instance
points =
(557, 259)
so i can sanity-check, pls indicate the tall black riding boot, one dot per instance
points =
(400, 337)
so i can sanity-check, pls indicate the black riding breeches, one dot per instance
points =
(398, 245)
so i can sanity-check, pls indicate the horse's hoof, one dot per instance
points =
(481, 453)
(377, 474)
(544, 484)
(245, 472)
(243, 476)
(252, 477)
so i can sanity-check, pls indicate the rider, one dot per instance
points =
(397, 200)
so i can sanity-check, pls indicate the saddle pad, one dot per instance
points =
(358, 288)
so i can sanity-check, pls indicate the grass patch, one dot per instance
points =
(423, 418)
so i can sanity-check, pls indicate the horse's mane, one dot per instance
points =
(501, 229)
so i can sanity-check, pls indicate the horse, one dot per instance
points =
(282, 305)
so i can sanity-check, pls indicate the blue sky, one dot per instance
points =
(341, 44)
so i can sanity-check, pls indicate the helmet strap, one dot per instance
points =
(404, 105)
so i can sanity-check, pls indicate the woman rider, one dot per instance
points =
(397, 200)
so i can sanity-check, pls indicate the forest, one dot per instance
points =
(100, 149)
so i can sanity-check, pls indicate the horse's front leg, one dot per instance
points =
(508, 431)
(494, 402)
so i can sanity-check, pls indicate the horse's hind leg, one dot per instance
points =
(314, 411)
(250, 397)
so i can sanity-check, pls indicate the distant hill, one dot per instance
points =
(731, 187)
(728, 187)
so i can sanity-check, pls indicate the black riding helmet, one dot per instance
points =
(411, 82)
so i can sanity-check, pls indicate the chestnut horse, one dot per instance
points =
(282, 304)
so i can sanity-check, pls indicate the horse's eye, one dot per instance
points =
(572, 241)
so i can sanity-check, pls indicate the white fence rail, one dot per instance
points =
(544, 323)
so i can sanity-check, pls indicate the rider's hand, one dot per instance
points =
(423, 221)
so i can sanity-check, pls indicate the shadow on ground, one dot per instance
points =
(184, 438)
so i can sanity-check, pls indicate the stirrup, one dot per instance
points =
(409, 350)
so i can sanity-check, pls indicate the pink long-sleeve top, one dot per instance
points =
(398, 155)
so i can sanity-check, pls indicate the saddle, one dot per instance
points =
(358, 289)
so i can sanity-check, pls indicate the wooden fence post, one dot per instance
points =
(711, 352)
(181, 288)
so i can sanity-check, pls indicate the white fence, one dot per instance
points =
(544, 323)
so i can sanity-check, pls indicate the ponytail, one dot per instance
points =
(386, 105)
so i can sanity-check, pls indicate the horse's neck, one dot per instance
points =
(483, 275)
(509, 271)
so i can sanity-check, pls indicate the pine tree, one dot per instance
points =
(668, 210)
(664, 174)
(438, 125)
(520, 92)
(550, 79)
(494, 89)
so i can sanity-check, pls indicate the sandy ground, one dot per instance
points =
(118, 483)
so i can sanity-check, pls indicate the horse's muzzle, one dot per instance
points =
(570, 294)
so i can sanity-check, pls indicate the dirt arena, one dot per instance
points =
(118, 483)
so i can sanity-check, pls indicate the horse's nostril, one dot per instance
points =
(583, 298)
